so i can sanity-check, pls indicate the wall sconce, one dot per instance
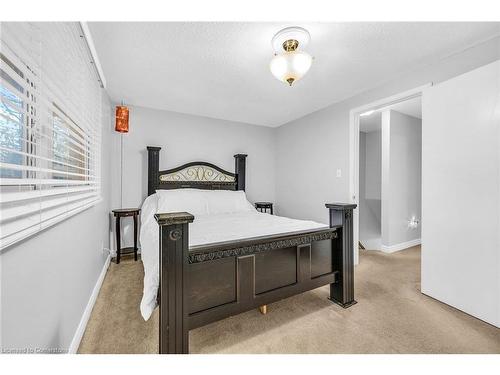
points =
(121, 119)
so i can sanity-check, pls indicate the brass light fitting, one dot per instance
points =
(290, 45)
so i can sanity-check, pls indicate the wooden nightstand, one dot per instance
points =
(264, 206)
(125, 212)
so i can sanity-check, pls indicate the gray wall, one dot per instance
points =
(185, 138)
(374, 166)
(363, 217)
(46, 280)
(401, 177)
(370, 175)
(310, 149)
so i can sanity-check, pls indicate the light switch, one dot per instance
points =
(339, 173)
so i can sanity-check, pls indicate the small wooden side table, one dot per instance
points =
(125, 212)
(264, 206)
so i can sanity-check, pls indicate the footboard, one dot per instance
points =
(202, 284)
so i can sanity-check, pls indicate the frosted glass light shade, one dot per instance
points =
(290, 66)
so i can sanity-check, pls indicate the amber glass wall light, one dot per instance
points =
(121, 124)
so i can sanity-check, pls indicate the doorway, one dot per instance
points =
(386, 173)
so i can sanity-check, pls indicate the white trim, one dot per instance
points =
(112, 252)
(354, 149)
(75, 343)
(401, 246)
(93, 52)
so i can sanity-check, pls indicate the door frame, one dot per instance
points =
(354, 148)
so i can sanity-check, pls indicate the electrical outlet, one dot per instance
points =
(339, 172)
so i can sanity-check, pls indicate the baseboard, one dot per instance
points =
(75, 343)
(113, 252)
(372, 244)
(401, 246)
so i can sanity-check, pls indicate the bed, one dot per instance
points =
(208, 254)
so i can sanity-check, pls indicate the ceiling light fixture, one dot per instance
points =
(289, 64)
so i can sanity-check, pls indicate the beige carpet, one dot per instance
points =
(391, 316)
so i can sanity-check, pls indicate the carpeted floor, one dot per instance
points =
(391, 316)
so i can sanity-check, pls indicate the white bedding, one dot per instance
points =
(206, 229)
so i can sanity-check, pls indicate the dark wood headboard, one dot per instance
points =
(198, 174)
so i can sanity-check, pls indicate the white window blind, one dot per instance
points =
(50, 127)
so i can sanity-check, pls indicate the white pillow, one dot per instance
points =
(227, 201)
(182, 200)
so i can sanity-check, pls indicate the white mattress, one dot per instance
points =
(204, 230)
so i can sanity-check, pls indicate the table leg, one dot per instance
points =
(135, 237)
(118, 245)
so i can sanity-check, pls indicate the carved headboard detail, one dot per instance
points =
(198, 171)
(199, 175)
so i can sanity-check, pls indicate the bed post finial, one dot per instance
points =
(153, 168)
(240, 170)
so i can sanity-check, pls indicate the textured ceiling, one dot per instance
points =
(221, 70)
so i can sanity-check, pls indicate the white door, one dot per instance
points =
(461, 192)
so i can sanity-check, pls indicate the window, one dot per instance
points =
(12, 128)
(70, 149)
(50, 124)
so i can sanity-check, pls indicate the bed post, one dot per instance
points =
(174, 251)
(153, 168)
(342, 291)
(240, 170)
